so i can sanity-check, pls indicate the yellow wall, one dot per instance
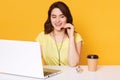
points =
(98, 21)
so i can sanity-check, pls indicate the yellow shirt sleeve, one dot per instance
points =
(40, 37)
(78, 38)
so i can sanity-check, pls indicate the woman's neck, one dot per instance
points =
(59, 36)
(58, 33)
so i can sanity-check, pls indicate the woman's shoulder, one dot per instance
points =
(42, 34)
(77, 34)
(78, 37)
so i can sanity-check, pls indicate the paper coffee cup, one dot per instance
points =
(92, 62)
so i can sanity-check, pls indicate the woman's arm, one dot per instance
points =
(74, 52)
(74, 48)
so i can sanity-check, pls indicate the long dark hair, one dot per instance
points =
(64, 9)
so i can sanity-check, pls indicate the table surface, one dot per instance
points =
(111, 72)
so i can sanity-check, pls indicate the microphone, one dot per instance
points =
(65, 28)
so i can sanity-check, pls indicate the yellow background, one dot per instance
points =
(98, 21)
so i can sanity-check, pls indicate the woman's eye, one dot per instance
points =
(62, 16)
(53, 16)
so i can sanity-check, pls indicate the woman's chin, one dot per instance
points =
(58, 29)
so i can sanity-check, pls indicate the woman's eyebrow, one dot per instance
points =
(61, 14)
(55, 14)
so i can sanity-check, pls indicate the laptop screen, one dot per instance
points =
(21, 58)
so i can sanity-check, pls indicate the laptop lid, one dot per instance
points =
(21, 58)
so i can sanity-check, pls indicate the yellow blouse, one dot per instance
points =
(49, 50)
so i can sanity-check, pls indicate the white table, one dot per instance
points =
(69, 73)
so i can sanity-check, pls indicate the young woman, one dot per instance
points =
(59, 43)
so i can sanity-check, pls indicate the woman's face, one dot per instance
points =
(58, 20)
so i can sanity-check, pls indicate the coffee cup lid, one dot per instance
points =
(92, 56)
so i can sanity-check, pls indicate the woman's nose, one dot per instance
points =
(57, 19)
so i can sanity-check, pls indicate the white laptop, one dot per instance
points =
(23, 58)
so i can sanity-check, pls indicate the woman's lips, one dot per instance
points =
(58, 24)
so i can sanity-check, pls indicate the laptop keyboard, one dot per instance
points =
(47, 73)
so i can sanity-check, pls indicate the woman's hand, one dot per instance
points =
(70, 29)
